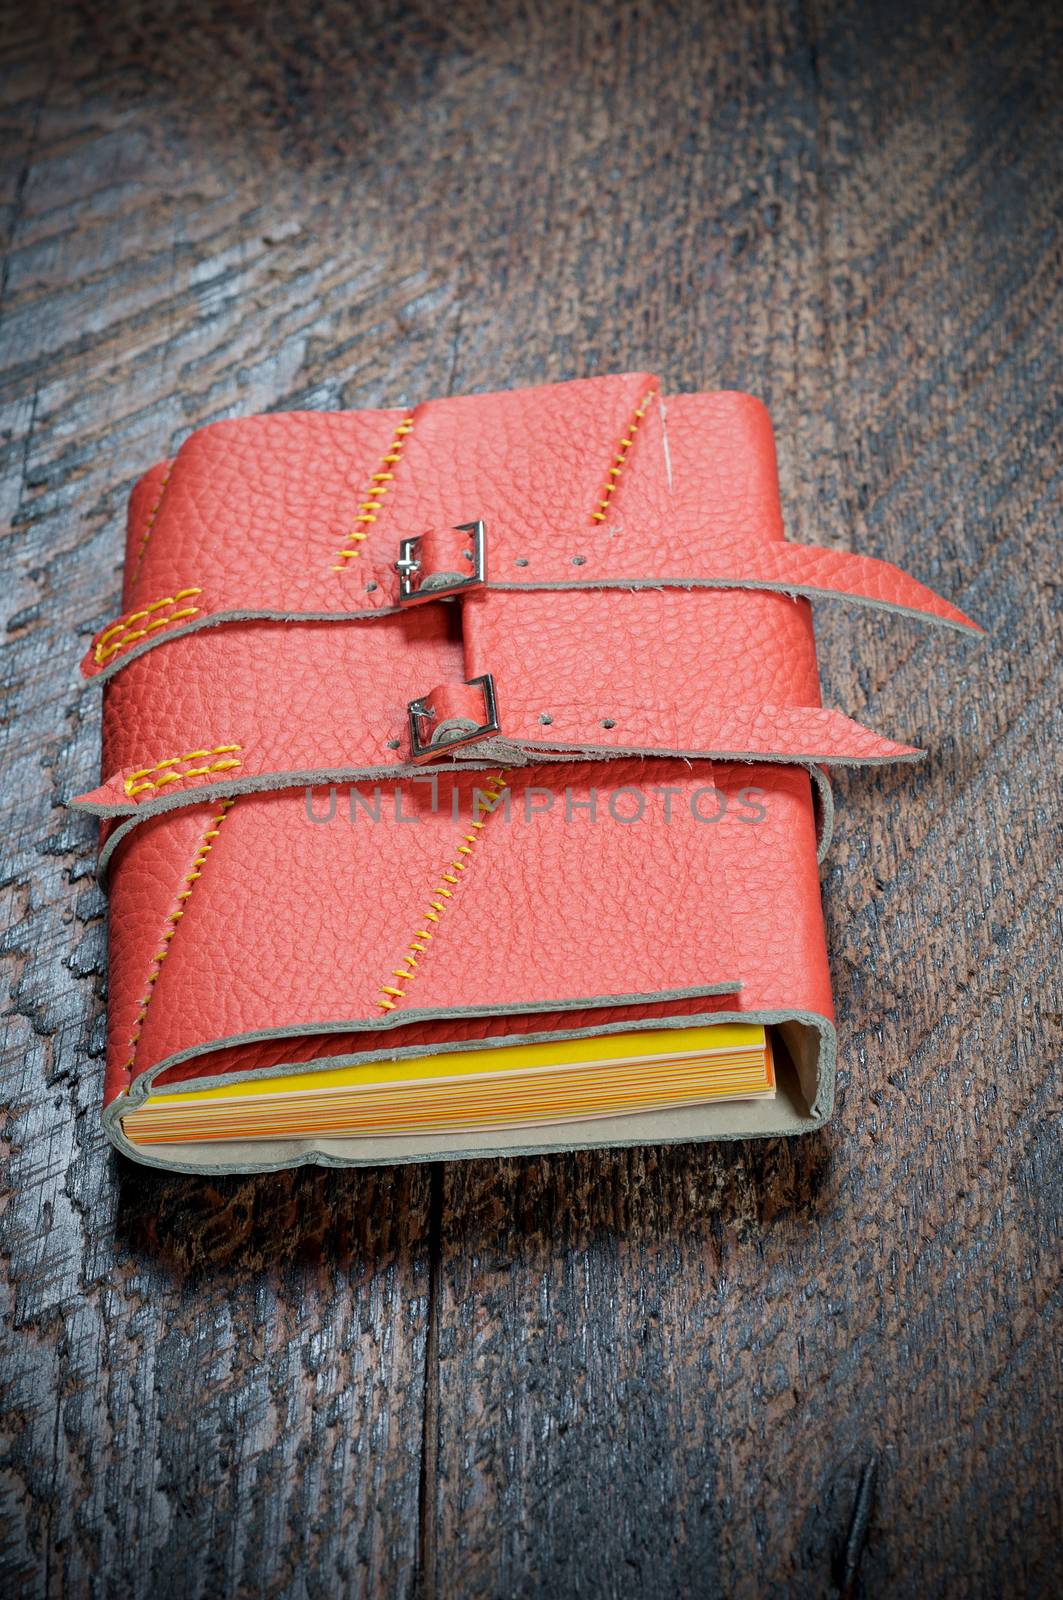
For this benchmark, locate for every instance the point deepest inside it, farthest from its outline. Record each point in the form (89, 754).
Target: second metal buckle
(416, 710)
(413, 587)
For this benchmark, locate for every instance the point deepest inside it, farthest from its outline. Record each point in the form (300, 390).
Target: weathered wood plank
(663, 1372)
(221, 1385)
(656, 1372)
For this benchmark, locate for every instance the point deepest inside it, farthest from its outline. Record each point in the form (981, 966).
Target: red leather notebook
(494, 720)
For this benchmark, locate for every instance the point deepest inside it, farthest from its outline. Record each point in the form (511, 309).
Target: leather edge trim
(375, 1025)
(212, 619)
(823, 804)
(794, 591)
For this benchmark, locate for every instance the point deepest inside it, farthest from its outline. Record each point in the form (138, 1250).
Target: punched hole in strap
(451, 716)
(436, 566)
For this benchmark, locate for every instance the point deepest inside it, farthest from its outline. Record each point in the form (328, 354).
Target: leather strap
(695, 662)
(797, 570)
(579, 487)
(798, 734)
(794, 569)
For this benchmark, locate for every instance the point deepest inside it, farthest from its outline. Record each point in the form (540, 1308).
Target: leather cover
(633, 840)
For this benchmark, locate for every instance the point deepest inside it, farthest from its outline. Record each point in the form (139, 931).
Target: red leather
(300, 925)
(254, 515)
(295, 754)
(645, 626)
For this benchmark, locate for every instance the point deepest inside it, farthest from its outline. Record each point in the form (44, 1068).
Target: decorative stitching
(170, 928)
(390, 995)
(609, 487)
(150, 523)
(381, 482)
(134, 786)
(103, 651)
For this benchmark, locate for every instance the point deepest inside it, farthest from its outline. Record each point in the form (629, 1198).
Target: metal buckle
(408, 566)
(416, 710)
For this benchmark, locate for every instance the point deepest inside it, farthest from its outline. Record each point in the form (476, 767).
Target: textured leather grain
(268, 517)
(605, 671)
(561, 900)
(636, 842)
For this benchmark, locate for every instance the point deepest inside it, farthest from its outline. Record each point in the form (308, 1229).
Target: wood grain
(655, 1372)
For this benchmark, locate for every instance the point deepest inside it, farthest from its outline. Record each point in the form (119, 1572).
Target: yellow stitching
(136, 616)
(142, 633)
(133, 787)
(196, 772)
(129, 635)
(150, 523)
(380, 482)
(156, 605)
(617, 467)
(196, 871)
(191, 755)
(438, 907)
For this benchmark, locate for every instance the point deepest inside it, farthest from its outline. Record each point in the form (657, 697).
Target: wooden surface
(638, 1374)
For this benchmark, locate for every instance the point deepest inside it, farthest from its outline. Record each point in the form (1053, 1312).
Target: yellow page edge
(717, 1038)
